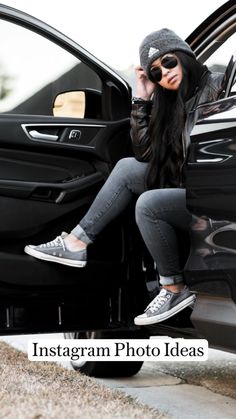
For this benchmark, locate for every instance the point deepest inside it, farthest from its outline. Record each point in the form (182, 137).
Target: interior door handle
(39, 136)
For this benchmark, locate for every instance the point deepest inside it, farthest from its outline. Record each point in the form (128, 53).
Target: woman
(170, 83)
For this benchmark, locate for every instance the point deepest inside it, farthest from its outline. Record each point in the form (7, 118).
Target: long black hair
(167, 124)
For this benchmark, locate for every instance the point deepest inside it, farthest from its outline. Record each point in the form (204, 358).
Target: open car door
(64, 124)
(211, 187)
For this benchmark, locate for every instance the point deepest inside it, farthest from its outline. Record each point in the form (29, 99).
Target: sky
(113, 30)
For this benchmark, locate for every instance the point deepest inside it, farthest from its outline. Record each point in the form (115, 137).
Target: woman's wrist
(139, 99)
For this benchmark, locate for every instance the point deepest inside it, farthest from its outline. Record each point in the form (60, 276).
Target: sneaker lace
(158, 301)
(57, 242)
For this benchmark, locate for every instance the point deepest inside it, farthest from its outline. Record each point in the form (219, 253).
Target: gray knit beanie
(159, 43)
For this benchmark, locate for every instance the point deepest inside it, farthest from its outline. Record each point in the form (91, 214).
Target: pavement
(167, 387)
(185, 390)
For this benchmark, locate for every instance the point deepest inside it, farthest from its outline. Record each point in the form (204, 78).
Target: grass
(43, 390)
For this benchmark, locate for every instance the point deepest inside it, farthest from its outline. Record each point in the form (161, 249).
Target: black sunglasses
(155, 73)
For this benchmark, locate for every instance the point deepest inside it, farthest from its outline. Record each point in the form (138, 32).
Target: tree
(5, 88)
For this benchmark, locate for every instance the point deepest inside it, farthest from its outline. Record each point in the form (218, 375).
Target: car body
(52, 168)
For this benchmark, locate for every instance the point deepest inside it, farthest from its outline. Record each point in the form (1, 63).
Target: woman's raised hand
(144, 87)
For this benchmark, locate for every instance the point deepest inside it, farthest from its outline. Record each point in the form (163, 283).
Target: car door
(211, 187)
(53, 161)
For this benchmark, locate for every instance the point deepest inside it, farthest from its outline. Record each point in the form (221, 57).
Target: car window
(34, 70)
(218, 61)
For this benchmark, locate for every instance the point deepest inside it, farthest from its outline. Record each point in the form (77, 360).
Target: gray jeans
(158, 213)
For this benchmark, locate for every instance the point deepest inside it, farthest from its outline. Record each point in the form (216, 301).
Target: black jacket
(140, 116)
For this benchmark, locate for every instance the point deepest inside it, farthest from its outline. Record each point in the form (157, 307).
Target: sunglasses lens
(169, 62)
(156, 74)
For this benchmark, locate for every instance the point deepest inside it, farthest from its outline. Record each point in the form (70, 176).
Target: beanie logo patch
(152, 51)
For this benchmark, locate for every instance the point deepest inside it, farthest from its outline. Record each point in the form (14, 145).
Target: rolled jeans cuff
(171, 279)
(79, 232)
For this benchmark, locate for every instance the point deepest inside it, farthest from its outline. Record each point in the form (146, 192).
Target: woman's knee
(123, 170)
(130, 170)
(152, 203)
(125, 164)
(144, 206)
(167, 205)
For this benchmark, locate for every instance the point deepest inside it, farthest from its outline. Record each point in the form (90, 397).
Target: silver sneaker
(56, 251)
(166, 304)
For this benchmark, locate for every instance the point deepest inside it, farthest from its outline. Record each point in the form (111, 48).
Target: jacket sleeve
(140, 117)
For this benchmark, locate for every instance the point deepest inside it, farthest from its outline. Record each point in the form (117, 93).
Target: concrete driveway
(186, 390)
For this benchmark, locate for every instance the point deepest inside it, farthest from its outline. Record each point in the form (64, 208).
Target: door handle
(39, 136)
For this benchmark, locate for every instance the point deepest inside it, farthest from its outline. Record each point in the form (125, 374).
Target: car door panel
(94, 136)
(56, 172)
(28, 165)
(211, 198)
(210, 172)
(45, 181)
(53, 170)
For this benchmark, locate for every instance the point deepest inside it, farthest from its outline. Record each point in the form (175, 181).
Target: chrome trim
(221, 159)
(59, 316)
(39, 136)
(210, 160)
(210, 238)
(8, 317)
(26, 131)
(60, 197)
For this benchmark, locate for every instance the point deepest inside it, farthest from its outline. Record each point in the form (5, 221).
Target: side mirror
(78, 104)
(70, 104)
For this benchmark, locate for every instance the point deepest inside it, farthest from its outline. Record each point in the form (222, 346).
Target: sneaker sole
(167, 315)
(50, 258)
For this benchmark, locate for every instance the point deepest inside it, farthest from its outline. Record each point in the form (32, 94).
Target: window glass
(218, 61)
(34, 70)
(220, 58)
